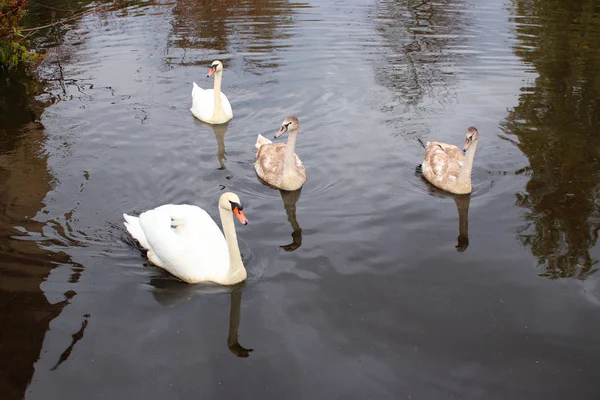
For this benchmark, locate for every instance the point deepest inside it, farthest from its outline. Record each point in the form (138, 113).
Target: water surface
(362, 285)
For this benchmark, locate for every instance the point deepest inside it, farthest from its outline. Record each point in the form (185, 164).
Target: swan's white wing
(260, 140)
(196, 89)
(226, 106)
(187, 241)
(135, 230)
(203, 103)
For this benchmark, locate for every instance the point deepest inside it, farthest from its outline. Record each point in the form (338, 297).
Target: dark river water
(368, 283)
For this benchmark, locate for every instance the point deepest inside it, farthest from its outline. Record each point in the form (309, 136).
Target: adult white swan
(446, 167)
(185, 241)
(210, 105)
(277, 163)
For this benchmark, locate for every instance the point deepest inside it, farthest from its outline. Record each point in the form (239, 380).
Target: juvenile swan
(446, 167)
(185, 241)
(210, 105)
(276, 163)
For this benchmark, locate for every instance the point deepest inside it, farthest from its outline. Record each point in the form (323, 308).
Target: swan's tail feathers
(196, 89)
(422, 143)
(261, 140)
(135, 229)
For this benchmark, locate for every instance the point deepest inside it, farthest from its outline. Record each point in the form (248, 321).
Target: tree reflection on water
(421, 65)
(248, 26)
(557, 122)
(25, 180)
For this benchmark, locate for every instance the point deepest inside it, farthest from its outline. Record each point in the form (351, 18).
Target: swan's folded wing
(269, 161)
(192, 250)
(203, 103)
(226, 106)
(453, 152)
(196, 89)
(261, 140)
(174, 211)
(442, 161)
(157, 226)
(135, 230)
(299, 166)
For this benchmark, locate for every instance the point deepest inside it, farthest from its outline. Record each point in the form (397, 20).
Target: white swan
(277, 163)
(210, 105)
(185, 241)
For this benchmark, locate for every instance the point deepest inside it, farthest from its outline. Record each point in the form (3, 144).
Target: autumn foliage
(12, 49)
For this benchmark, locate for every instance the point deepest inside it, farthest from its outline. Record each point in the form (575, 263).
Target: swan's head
(470, 137)
(216, 66)
(289, 124)
(231, 202)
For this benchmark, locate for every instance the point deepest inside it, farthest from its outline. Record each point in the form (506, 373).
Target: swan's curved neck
(237, 272)
(218, 110)
(464, 177)
(289, 162)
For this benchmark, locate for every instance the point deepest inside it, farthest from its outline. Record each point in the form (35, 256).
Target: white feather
(261, 140)
(133, 227)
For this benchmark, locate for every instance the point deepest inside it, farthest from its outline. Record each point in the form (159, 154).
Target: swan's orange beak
(281, 131)
(240, 215)
(211, 71)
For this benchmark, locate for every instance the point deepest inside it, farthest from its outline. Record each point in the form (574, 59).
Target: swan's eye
(235, 205)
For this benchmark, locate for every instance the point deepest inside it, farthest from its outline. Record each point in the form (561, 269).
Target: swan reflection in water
(462, 207)
(220, 131)
(290, 198)
(289, 203)
(168, 292)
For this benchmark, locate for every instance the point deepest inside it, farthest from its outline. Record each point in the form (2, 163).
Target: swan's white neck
(289, 162)
(464, 177)
(218, 112)
(237, 272)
